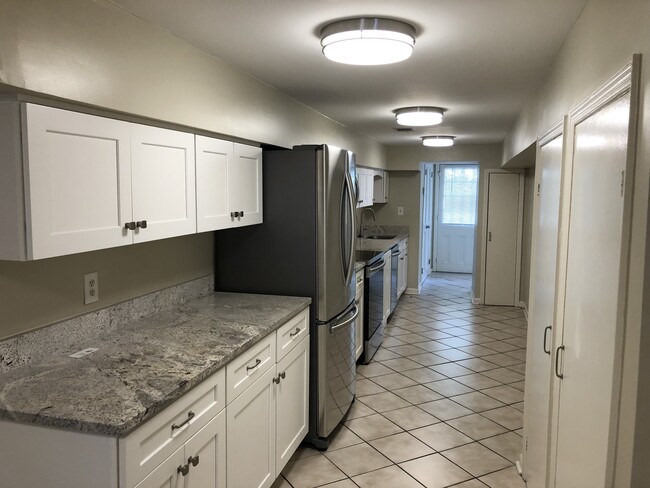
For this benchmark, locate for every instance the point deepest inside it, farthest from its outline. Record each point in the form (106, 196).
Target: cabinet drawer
(291, 333)
(402, 245)
(149, 445)
(242, 371)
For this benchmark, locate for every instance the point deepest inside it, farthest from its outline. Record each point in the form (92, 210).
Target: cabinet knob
(141, 224)
(279, 377)
(194, 461)
(184, 469)
(234, 215)
(241, 214)
(283, 375)
(129, 226)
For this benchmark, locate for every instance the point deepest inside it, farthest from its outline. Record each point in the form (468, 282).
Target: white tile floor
(440, 405)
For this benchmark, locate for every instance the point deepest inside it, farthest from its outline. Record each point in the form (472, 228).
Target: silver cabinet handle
(184, 469)
(258, 361)
(378, 267)
(295, 332)
(194, 461)
(557, 362)
(546, 330)
(190, 416)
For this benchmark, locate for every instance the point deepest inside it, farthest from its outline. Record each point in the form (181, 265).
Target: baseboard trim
(412, 291)
(523, 305)
(475, 300)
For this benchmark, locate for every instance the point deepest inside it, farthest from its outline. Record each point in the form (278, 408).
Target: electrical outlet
(91, 288)
(400, 210)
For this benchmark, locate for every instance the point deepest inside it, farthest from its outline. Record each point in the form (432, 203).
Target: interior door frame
(437, 204)
(484, 231)
(425, 166)
(627, 79)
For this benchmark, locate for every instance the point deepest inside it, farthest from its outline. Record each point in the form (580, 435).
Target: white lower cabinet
(402, 267)
(268, 421)
(200, 463)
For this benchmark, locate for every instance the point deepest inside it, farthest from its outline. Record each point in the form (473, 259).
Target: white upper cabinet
(380, 186)
(228, 184)
(163, 185)
(365, 186)
(75, 168)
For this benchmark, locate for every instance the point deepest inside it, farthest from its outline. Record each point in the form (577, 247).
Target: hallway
(440, 405)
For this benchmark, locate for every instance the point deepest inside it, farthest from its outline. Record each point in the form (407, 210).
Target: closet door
(548, 171)
(589, 358)
(502, 246)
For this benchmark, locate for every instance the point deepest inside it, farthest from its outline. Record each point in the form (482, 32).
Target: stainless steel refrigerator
(305, 247)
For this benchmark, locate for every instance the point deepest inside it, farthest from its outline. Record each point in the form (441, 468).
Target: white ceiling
(480, 59)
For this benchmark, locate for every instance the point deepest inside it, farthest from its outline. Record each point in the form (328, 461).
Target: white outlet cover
(91, 288)
(400, 210)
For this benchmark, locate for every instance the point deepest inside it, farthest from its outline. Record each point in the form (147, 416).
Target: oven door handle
(378, 267)
(355, 311)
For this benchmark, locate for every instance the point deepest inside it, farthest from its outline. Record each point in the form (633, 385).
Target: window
(459, 192)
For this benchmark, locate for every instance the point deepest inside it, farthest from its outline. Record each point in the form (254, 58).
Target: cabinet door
(292, 408)
(250, 457)
(401, 272)
(163, 182)
(167, 474)
(78, 172)
(214, 167)
(207, 449)
(246, 189)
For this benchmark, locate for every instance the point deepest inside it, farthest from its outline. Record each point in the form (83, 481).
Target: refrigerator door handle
(351, 199)
(355, 314)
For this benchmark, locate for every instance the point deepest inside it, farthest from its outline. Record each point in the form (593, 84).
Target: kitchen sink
(383, 236)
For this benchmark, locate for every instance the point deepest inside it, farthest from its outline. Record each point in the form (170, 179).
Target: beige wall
(601, 42)
(404, 191)
(488, 156)
(527, 236)
(37, 293)
(92, 53)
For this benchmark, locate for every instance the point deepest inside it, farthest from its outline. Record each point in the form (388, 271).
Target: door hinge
(429, 261)
(426, 171)
(539, 188)
(422, 191)
(622, 182)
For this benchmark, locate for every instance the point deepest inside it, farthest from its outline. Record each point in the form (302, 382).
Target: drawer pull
(129, 226)
(194, 461)
(295, 333)
(258, 361)
(184, 469)
(141, 224)
(190, 416)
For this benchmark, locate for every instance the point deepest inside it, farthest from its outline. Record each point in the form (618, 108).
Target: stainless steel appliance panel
(373, 333)
(335, 239)
(336, 370)
(394, 255)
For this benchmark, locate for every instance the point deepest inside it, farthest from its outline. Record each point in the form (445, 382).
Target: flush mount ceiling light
(419, 116)
(367, 41)
(438, 141)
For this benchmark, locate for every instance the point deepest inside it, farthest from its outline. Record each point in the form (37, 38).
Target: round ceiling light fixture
(419, 116)
(367, 41)
(438, 141)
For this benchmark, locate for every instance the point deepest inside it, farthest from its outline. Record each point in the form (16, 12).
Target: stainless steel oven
(373, 332)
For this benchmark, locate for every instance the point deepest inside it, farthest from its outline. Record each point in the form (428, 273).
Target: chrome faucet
(374, 218)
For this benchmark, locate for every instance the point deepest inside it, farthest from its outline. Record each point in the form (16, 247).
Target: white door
(502, 238)
(592, 298)
(250, 457)
(167, 474)
(163, 183)
(214, 165)
(205, 454)
(246, 189)
(456, 197)
(548, 171)
(292, 410)
(426, 246)
(79, 172)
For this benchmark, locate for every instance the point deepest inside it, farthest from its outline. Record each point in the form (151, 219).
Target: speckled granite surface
(142, 367)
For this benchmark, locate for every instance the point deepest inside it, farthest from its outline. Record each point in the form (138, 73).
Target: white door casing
(426, 223)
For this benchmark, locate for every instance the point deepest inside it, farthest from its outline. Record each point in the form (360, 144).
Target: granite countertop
(143, 367)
